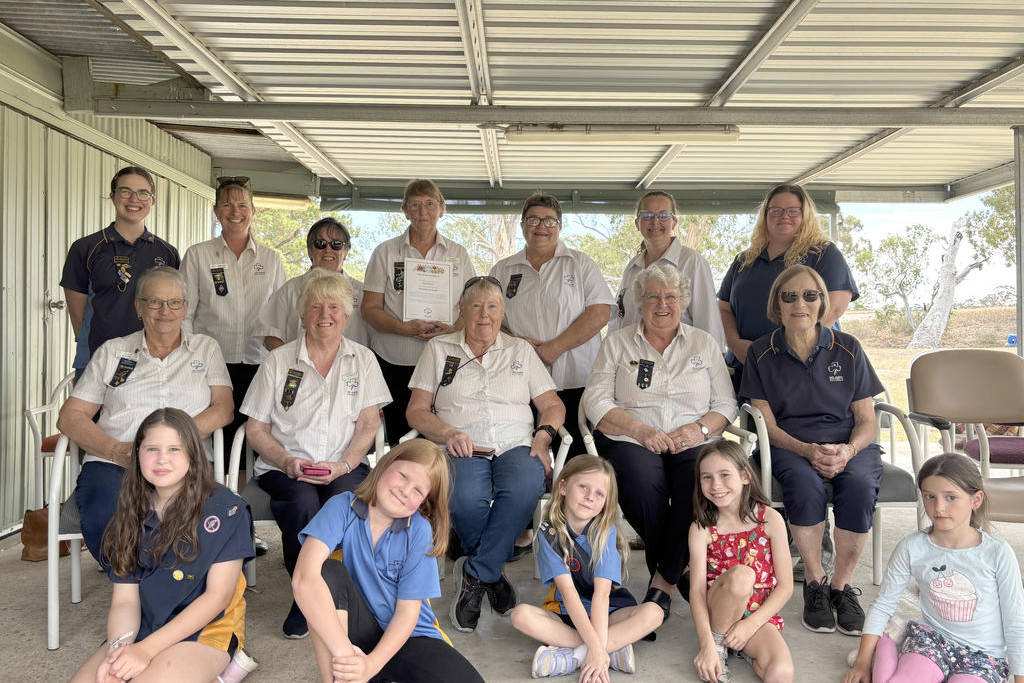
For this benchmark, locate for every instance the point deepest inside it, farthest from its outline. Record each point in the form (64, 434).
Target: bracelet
(120, 641)
(348, 468)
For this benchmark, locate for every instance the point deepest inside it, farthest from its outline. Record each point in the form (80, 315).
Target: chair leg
(876, 548)
(249, 571)
(538, 516)
(52, 595)
(76, 571)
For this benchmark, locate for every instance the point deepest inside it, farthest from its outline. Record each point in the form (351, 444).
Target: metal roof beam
(171, 29)
(499, 116)
(474, 46)
(660, 165)
(852, 153)
(982, 182)
(772, 38)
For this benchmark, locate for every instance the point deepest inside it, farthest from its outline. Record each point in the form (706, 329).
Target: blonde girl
(742, 574)
(972, 603)
(589, 621)
(174, 551)
(369, 613)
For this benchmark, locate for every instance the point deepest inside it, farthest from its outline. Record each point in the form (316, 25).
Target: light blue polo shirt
(609, 566)
(396, 569)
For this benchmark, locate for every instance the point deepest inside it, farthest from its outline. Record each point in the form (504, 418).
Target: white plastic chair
(43, 447)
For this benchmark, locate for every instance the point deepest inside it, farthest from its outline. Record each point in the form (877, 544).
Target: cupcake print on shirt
(953, 596)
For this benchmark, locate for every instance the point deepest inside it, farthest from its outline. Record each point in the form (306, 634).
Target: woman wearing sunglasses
(786, 233)
(814, 386)
(327, 243)
(658, 224)
(398, 342)
(557, 300)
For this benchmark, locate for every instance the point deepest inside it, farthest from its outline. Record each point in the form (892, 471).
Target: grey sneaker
(553, 661)
(849, 614)
(623, 660)
(818, 616)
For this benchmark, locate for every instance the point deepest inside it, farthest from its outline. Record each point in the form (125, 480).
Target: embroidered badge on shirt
(233, 511)
(398, 278)
(697, 362)
(291, 388)
(834, 368)
(569, 280)
(124, 369)
(159, 261)
(451, 365)
(220, 282)
(513, 285)
(644, 373)
(211, 524)
(620, 304)
(258, 267)
(351, 383)
(197, 365)
(517, 367)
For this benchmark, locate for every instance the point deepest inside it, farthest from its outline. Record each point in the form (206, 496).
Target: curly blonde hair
(810, 238)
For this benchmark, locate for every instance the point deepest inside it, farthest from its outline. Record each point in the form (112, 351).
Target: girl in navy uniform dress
(174, 551)
(589, 620)
(369, 610)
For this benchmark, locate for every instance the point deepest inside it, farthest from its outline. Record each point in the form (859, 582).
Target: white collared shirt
(702, 312)
(543, 304)
(684, 384)
(280, 315)
(320, 419)
(248, 281)
(380, 278)
(181, 380)
(487, 399)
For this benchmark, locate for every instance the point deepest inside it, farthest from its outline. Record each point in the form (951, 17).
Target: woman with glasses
(471, 394)
(398, 342)
(658, 225)
(102, 269)
(659, 390)
(327, 243)
(227, 281)
(129, 377)
(557, 300)
(814, 386)
(786, 233)
(313, 412)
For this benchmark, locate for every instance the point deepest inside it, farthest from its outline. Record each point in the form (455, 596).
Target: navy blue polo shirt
(747, 289)
(165, 588)
(398, 568)
(811, 402)
(95, 262)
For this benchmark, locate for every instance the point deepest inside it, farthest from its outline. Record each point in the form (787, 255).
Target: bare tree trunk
(908, 311)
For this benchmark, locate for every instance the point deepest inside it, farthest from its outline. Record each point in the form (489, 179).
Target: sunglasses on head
(336, 245)
(473, 280)
(809, 295)
(241, 180)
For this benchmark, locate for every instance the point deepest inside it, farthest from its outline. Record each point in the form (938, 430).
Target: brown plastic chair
(1005, 499)
(973, 387)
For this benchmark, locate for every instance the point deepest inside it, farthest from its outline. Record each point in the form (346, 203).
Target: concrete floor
(496, 649)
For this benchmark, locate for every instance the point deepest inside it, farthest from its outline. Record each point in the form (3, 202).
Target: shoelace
(820, 598)
(848, 600)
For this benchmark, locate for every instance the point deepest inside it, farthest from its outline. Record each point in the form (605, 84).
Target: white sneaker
(623, 660)
(549, 660)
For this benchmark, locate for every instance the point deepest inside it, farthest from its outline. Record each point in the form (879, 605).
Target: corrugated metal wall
(52, 191)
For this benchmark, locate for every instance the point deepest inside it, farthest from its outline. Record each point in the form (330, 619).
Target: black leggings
(397, 378)
(421, 659)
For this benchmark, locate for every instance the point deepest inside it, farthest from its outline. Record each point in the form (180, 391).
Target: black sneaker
(849, 614)
(465, 611)
(502, 595)
(818, 615)
(295, 623)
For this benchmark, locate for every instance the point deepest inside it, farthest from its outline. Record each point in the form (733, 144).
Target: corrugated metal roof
(837, 54)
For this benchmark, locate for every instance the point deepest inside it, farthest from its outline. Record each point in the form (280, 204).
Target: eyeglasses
(792, 212)
(429, 205)
(241, 180)
(533, 222)
(336, 245)
(663, 216)
(157, 304)
(667, 299)
(809, 295)
(473, 280)
(128, 193)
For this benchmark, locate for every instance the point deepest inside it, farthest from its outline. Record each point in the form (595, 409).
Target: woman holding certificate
(557, 300)
(410, 294)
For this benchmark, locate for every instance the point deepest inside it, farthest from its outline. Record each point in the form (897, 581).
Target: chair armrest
(907, 422)
(931, 420)
(218, 455)
(380, 444)
(236, 458)
(586, 431)
(409, 435)
(563, 452)
(747, 438)
(763, 444)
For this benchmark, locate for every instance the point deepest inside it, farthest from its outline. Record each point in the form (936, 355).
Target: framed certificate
(428, 290)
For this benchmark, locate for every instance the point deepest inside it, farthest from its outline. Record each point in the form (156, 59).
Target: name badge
(398, 277)
(619, 303)
(451, 365)
(123, 266)
(644, 373)
(513, 285)
(291, 388)
(220, 282)
(124, 369)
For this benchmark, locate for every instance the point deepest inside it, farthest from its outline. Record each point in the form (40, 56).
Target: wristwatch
(546, 428)
(703, 429)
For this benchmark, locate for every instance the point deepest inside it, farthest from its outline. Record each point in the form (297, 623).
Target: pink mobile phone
(314, 471)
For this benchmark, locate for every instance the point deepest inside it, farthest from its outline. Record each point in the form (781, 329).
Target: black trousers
(397, 378)
(656, 496)
(241, 377)
(571, 398)
(421, 659)
(294, 503)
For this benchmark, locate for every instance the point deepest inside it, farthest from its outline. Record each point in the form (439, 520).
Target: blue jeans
(99, 486)
(491, 503)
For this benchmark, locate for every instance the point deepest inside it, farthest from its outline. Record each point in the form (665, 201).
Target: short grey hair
(666, 275)
(479, 288)
(157, 272)
(326, 285)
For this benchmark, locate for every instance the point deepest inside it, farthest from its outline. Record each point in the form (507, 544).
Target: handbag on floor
(33, 536)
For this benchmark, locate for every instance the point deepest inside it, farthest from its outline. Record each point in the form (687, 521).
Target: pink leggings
(892, 667)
